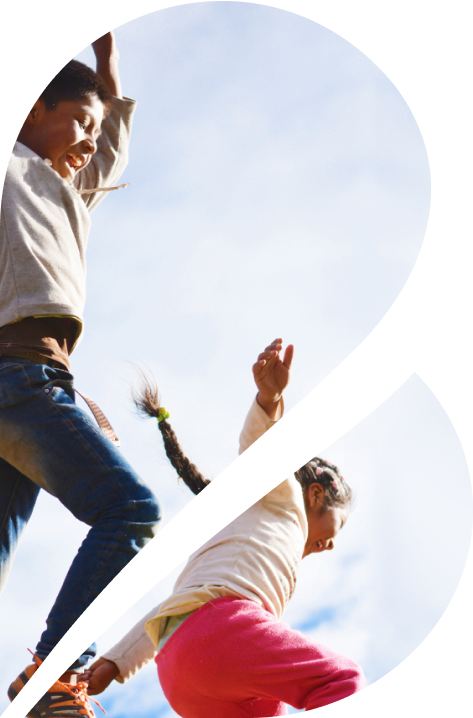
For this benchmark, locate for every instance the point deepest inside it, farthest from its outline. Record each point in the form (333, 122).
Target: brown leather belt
(35, 359)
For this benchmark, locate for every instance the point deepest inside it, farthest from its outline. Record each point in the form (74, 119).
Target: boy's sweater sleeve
(134, 651)
(111, 157)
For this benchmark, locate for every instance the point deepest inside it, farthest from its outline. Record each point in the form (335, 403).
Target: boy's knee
(156, 511)
(147, 513)
(142, 521)
(139, 511)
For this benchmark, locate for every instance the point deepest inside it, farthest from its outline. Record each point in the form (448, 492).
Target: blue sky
(279, 182)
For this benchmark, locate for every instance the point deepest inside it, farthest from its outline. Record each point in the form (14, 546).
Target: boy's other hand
(105, 47)
(100, 675)
(272, 376)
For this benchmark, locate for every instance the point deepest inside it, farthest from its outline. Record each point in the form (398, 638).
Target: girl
(222, 652)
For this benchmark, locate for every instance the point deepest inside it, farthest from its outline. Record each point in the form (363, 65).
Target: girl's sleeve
(257, 422)
(111, 157)
(134, 651)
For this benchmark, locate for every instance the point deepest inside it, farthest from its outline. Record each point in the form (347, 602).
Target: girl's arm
(124, 660)
(100, 675)
(272, 376)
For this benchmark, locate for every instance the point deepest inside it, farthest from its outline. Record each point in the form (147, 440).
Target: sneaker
(63, 700)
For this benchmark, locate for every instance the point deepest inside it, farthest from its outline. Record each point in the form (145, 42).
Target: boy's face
(66, 135)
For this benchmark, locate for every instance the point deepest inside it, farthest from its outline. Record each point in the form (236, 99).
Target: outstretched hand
(100, 675)
(105, 47)
(272, 376)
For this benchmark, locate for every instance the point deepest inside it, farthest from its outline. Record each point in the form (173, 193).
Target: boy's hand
(107, 55)
(105, 47)
(100, 675)
(272, 376)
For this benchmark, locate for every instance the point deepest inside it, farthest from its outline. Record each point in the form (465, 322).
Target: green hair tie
(163, 414)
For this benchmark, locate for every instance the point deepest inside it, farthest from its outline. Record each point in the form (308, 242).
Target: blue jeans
(47, 442)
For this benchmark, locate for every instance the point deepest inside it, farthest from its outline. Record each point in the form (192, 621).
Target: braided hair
(147, 403)
(336, 490)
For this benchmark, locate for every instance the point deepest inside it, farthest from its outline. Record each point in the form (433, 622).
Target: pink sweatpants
(233, 659)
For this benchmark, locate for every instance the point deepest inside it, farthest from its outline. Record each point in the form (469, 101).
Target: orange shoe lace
(79, 692)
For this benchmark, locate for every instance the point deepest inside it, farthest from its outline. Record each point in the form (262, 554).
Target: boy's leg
(54, 443)
(234, 651)
(17, 499)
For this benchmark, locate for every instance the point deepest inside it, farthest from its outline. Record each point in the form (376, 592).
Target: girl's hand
(272, 376)
(100, 675)
(105, 47)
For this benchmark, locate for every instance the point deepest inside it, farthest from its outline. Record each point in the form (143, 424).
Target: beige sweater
(255, 557)
(44, 224)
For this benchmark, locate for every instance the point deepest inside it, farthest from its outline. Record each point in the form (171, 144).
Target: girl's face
(324, 525)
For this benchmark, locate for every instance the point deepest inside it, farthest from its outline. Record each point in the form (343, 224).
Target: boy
(46, 441)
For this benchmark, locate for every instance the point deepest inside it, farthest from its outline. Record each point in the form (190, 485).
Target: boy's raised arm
(111, 157)
(107, 55)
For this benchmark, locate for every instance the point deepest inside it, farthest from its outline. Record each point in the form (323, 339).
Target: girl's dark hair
(147, 402)
(76, 80)
(336, 490)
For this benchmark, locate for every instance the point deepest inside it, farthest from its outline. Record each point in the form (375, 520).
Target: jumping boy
(74, 138)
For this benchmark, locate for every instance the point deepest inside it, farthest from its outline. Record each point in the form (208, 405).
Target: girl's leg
(234, 651)
(17, 500)
(207, 707)
(46, 437)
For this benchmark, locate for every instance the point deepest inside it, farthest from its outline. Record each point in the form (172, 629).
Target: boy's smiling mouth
(75, 161)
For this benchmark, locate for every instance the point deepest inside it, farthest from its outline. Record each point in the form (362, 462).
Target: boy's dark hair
(336, 490)
(76, 80)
